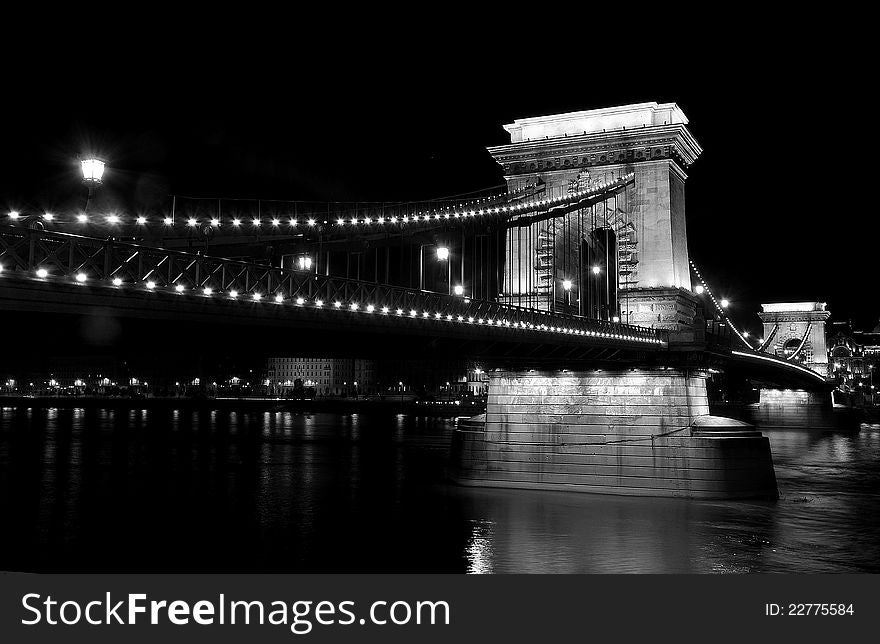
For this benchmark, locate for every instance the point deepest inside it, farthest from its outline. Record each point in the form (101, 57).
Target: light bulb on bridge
(745, 334)
(311, 222)
(113, 219)
(215, 222)
(180, 288)
(699, 289)
(92, 170)
(14, 214)
(725, 303)
(566, 284)
(117, 281)
(236, 222)
(442, 253)
(458, 289)
(81, 277)
(596, 270)
(48, 216)
(191, 222)
(142, 220)
(168, 221)
(82, 218)
(42, 272)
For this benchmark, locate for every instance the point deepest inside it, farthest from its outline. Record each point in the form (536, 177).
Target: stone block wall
(620, 432)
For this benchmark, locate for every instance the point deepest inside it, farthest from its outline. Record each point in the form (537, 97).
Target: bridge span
(574, 287)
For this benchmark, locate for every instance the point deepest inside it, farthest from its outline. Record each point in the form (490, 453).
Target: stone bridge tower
(650, 140)
(796, 331)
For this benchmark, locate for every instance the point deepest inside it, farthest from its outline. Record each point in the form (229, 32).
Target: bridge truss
(71, 260)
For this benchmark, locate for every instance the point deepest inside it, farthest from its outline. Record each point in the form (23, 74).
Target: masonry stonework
(635, 432)
(649, 140)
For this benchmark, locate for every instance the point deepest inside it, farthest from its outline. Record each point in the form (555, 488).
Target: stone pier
(799, 409)
(634, 432)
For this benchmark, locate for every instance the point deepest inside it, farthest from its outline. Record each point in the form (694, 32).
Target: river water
(163, 490)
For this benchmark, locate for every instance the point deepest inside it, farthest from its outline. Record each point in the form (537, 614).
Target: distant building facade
(327, 376)
(854, 357)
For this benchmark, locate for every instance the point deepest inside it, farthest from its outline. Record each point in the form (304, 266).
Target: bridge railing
(113, 263)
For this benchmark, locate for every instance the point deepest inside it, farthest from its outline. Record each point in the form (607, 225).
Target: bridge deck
(58, 272)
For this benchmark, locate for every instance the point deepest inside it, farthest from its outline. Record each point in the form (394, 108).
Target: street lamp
(93, 173)
(566, 286)
(442, 254)
(725, 303)
(93, 170)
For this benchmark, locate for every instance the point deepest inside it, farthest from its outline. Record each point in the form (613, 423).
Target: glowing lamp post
(93, 174)
(93, 170)
(566, 286)
(442, 254)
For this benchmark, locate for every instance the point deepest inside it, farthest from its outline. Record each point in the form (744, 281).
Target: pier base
(636, 432)
(797, 409)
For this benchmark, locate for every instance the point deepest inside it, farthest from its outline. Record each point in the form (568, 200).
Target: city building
(854, 357)
(325, 376)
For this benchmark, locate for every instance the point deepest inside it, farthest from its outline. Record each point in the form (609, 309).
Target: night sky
(778, 206)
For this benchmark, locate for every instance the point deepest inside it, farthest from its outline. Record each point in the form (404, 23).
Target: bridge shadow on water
(199, 490)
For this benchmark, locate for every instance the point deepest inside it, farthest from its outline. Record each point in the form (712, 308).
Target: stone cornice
(599, 148)
(795, 316)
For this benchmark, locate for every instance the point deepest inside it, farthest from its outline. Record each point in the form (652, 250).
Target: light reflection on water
(183, 490)
(824, 521)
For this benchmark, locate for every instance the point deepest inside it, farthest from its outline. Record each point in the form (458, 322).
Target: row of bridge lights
(168, 221)
(355, 307)
(276, 222)
(721, 306)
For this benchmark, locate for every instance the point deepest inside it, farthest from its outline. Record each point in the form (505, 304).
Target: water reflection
(171, 490)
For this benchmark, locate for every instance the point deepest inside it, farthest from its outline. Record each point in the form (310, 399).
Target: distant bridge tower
(639, 236)
(796, 331)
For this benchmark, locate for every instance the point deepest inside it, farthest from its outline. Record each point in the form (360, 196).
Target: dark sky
(779, 205)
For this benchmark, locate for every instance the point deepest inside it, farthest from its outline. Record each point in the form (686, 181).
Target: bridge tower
(796, 331)
(649, 240)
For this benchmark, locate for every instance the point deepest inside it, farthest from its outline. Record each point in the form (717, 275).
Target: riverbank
(385, 405)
